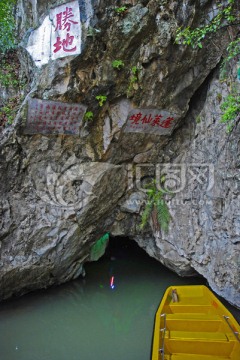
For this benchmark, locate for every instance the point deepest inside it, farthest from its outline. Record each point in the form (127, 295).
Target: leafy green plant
(8, 74)
(133, 80)
(156, 208)
(88, 116)
(117, 64)
(7, 26)
(194, 37)
(9, 79)
(101, 99)
(233, 50)
(231, 109)
(9, 111)
(121, 9)
(198, 119)
(134, 70)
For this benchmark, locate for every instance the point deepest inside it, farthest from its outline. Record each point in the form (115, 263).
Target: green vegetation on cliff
(9, 64)
(226, 16)
(7, 26)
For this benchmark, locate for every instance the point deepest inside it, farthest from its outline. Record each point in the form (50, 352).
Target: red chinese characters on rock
(64, 22)
(52, 117)
(157, 120)
(65, 43)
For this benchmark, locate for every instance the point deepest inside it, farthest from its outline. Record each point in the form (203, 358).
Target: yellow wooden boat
(192, 324)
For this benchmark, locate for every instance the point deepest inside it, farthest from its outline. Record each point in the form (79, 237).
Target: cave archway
(120, 247)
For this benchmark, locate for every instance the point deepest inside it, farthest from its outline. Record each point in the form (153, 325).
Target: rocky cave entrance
(120, 247)
(120, 259)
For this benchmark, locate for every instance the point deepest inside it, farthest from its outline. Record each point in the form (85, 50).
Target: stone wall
(60, 194)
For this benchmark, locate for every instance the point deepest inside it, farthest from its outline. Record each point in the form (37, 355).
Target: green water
(86, 319)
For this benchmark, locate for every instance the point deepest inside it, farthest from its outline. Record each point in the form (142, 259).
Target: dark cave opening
(120, 247)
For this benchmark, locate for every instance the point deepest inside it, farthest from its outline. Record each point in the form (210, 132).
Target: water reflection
(87, 318)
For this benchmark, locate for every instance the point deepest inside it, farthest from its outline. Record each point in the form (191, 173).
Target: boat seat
(192, 308)
(196, 357)
(198, 343)
(185, 300)
(193, 316)
(193, 322)
(195, 335)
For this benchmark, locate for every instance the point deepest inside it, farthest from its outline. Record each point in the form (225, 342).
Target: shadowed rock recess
(60, 193)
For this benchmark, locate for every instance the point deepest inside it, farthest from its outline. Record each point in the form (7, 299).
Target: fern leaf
(163, 215)
(146, 214)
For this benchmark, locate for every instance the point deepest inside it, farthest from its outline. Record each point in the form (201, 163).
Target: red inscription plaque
(53, 117)
(152, 121)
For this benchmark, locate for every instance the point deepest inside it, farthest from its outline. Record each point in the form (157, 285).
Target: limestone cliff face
(59, 194)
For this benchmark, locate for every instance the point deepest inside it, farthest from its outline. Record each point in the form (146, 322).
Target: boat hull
(191, 323)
